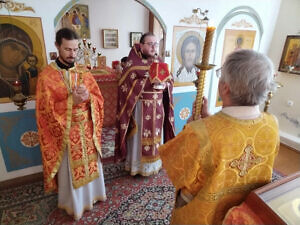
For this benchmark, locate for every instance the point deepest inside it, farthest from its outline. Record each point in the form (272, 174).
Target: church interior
(108, 29)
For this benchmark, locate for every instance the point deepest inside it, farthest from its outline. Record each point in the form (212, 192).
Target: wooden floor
(287, 161)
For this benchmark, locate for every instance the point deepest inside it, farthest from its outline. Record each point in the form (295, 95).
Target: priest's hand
(80, 94)
(204, 110)
(159, 86)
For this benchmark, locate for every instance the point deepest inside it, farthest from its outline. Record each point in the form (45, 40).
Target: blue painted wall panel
(183, 103)
(19, 140)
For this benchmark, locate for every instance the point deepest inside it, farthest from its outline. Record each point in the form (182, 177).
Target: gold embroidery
(246, 161)
(148, 102)
(151, 141)
(155, 96)
(128, 96)
(123, 126)
(129, 71)
(230, 190)
(146, 133)
(132, 76)
(124, 87)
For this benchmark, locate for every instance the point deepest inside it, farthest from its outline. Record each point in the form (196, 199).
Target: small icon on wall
(53, 55)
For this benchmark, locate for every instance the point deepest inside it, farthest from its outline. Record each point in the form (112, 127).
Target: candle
(203, 67)
(115, 63)
(207, 44)
(17, 83)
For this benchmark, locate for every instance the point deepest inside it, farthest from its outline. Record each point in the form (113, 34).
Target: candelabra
(86, 54)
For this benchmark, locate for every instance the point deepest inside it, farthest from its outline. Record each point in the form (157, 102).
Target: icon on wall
(77, 19)
(22, 54)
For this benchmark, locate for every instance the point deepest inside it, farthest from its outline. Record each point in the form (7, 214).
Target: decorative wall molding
(12, 6)
(242, 23)
(193, 19)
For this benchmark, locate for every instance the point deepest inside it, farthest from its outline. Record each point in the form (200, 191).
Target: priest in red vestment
(145, 117)
(69, 112)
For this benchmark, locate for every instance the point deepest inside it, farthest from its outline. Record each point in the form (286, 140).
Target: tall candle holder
(200, 83)
(204, 66)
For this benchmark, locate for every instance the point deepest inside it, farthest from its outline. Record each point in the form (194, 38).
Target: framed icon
(135, 38)
(110, 38)
(290, 59)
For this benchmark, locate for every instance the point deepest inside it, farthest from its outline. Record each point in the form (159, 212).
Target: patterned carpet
(130, 200)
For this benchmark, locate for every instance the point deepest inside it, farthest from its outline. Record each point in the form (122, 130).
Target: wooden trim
(21, 181)
(260, 208)
(290, 148)
(277, 183)
(151, 22)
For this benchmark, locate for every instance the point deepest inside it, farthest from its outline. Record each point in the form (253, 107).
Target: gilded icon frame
(290, 58)
(181, 35)
(33, 38)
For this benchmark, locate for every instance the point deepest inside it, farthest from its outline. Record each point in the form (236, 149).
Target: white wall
(129, 16)
(104, 14)
(288, 23)
(172, 11)
(125, 15)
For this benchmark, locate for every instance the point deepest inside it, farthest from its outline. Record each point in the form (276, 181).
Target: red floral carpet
(130, 200)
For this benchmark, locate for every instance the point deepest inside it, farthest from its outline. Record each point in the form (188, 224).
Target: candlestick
(18, 98)
(204, 66)
(207, 44)
(200, 83)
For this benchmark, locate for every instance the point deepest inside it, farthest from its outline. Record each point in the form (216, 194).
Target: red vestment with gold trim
(157, 108)
(62, 125)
